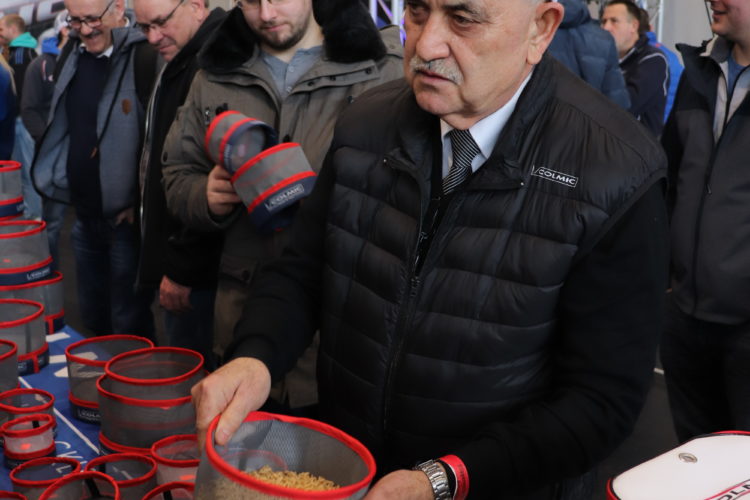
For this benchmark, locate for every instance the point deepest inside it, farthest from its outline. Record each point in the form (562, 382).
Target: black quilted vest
(414, 363)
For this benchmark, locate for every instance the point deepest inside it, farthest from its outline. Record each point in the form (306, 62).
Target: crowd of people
(513, 207)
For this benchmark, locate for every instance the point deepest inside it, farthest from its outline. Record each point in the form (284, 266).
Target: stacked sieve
(86, 361)
(33, 477)
(22, 322)
(134, 474)
(48, 292)
(28, 437)
(8, 365)
(11, 195)
(144, 397)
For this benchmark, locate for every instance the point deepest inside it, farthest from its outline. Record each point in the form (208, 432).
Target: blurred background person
(7, 110)
(589, 52)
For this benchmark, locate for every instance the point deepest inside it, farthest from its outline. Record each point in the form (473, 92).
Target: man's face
(466, 58)
(99, 38)
(279, 24)
(168, 33)
(7, 33)
(731, 18)
(622, 26)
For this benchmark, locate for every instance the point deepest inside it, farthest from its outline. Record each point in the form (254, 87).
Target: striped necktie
(464, 151)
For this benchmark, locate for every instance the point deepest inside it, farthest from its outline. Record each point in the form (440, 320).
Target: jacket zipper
(415, 283)
(406, 313)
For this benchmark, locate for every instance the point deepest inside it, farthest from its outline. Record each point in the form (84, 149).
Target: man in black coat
(485, 257)
(643, 66)
(180, 263)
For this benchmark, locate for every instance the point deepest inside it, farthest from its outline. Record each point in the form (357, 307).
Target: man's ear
(547, 17)
(119, 8)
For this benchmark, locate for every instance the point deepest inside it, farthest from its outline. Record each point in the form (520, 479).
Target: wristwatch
(438, 479)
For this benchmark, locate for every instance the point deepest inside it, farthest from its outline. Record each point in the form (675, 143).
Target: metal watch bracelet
(438, 479)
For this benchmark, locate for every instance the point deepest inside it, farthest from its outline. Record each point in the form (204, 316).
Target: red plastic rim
(92, 405)
(154, 381)
(156, 403)
(93, 340)
(121, 457)
(12, 494)
(34, 354)
(26, 319)
(174, 485)
(187, 438)
(50, 450)
(12, 201)
(47, 423)
(8, 165)
(212, 127)
(39, 226)
(27, 483)
(56, 276)
(12, 349)
(81, 477)
(121, 448)
(32, 409)
(271, 489)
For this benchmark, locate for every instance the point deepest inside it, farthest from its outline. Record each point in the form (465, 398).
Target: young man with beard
(706, 344)
(180, 263)
(485, 256)
(88, 157)
(295, 65)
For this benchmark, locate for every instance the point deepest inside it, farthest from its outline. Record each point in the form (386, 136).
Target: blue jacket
(7, 114)
(589, 52)
(119, 148)
(675, 71)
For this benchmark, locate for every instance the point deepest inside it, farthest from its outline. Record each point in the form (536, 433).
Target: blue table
(75, 439)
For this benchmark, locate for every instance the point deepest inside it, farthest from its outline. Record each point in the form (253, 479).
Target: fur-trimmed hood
(349, 32)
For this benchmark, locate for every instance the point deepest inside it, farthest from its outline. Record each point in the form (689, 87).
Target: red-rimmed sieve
(11, 192)
(139, 423)
(86, 485)
(135, 474)
(22, 323)
(178, 490)
(48, 292)
(177, 458)
(33, 477)
(283, 443)
(17, 403)
(24, 252)
(28, 437)
(86, 361)
(8, 365)
(155, 373)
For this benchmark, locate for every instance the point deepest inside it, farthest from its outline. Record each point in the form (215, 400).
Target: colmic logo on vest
(736, 491)
(552, 175)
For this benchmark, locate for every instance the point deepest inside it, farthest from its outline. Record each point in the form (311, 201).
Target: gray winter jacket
(120, 118)
(709, 171)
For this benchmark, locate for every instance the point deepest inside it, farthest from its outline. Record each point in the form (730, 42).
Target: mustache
(445, 68)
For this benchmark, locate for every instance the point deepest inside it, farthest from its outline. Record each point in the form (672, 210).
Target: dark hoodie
(589, 52)
(38, 86)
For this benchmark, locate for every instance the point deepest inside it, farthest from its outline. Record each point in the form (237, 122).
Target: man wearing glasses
(88, 158)
(295, 65)
(180, 263)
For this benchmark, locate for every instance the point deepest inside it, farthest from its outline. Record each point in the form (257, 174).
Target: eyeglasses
(158, 24)
(255, 4)
(90, 21)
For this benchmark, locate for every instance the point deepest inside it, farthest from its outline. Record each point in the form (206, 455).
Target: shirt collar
(485, 132)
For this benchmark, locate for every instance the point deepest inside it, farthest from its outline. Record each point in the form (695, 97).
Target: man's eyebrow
(466, 7)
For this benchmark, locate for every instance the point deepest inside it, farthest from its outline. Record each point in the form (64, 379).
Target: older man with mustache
(485, 256)
(88, 158)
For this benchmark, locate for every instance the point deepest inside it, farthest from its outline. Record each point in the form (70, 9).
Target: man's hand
(219, 191)
(234, 390)
(402, 484)
(174, 297)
